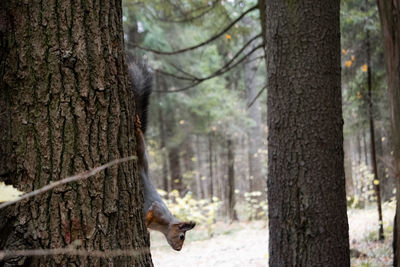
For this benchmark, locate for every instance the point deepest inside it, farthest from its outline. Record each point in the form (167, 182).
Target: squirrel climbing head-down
(157, 215)
(174, 230)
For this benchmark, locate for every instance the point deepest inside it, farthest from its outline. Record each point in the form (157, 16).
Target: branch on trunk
(73, 252)
(77, 177)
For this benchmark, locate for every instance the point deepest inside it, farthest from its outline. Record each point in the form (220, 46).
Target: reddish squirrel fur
(157, 215)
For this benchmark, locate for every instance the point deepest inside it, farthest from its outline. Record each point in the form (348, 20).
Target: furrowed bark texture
(306, 184)
(66, 107)
(389, 12)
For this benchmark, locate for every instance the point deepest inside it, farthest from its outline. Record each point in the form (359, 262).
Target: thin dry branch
(200, 44)
(79, 176)
(73, 252)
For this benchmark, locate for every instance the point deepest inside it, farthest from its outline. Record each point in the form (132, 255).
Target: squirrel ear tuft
(186, 226)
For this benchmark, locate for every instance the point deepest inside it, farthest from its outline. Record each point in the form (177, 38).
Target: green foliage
(364, 186)
(201, 211)
(256, 208)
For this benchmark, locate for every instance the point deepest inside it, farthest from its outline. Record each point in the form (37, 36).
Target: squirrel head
(176, 234)
(160, 219)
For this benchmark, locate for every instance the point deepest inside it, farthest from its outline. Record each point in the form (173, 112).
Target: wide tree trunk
(389, 12)
(66, 107)
(306, 183)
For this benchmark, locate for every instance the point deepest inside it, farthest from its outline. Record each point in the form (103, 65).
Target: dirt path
(240, 244)
(246, 244)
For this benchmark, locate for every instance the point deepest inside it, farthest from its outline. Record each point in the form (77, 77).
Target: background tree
(66, 107)
(306, 184)
(389, 12)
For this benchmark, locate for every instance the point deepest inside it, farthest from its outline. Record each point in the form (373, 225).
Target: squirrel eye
(181, 236)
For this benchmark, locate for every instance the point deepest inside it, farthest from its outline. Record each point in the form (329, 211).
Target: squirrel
(157, 215)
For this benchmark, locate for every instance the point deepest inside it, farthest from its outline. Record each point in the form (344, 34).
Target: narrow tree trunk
(389, 12)
(306, 184)
(348, 168)
(175, 169)
(359, 153)
(231, 181)
(364, 137)
(174, 150)
(203, 193)
(210, 165)
(163, 148)
(66, 107)
(372, 134)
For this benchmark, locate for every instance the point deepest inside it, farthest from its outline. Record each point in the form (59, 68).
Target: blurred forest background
(207, 132)
(66, 108)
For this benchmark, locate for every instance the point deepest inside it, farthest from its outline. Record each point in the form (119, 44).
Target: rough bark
(306, 183)
(389, 12)
(66, 107)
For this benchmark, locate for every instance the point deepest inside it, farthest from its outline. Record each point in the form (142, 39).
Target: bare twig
(200, 44)
(176, 76)
(257, 96)
(73, 252)
(79, 176)
(182, 71)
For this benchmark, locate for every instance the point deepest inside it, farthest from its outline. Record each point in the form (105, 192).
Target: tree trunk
(175, 168)
(231, 181)
(173, 151)
(385, 164)
(348, 168)
(389, 12)
(66, 107)
(376, 181)
(163, 148)
(210, 165)
(306, 183)
(364, 136)
(359, 153)
(201, 184)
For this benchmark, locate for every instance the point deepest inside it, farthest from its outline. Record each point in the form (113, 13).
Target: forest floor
(246, 243)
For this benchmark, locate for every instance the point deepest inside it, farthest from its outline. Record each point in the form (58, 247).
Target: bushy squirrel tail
(142, 86)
